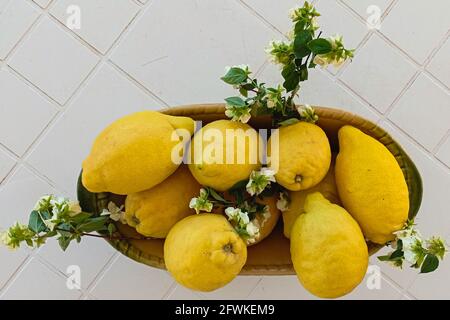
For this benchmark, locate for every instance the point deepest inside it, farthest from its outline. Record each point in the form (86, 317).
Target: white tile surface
(439, 66)
(181, 63)
(423, 112)
(280, 288)
(36, 276)
(417, 39)
(15, 19)
(24, 113)
(378, 73)
(238, 289)
(361, 6)
(53, 61)
(43, 3)
(90, 265)
(181, 293)
(444, 152)
(107, 97)
(10, 263)
(213, 33)
(127, 279)
(6, 164)
(277, 15)
(102, 21)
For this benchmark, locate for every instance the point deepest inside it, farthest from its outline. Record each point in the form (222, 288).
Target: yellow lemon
(153, 212)
(328, 249)
(303, 156)
(327, 187)
(134, 153)
(371, 185)
(203, 252)
(224, 153)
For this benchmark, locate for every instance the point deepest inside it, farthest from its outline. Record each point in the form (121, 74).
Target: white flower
(259, 180)
(315, 23)
(5, 239)
(232, 213)
(201, 203)
(412, 249)
(307, 113)
(237, 113)
(243, 217)
(252, 230)
(320, 60)
(74, 208)
(283, 202)
(114, 212)
(270, 104)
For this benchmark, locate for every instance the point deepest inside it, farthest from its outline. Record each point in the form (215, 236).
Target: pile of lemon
(337, 202)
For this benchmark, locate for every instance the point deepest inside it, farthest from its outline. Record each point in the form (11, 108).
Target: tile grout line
(99, 276)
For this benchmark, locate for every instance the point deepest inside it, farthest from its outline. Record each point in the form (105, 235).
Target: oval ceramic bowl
(271, 256)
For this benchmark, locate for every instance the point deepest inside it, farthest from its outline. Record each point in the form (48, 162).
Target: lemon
(327, 187)
(371, 185)
(328, 250)
(213, 143)
(153, 212)
(203, 252)
(134, 153)
(303, 156)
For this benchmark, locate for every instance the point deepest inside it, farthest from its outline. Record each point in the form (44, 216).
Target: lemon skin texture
(134, 153)
(328, 249)
(371, 185)
(304, 156)
(203, 252)
(154, 212)
(327, 187)
(212, 170)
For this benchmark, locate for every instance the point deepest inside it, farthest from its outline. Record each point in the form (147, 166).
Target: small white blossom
(259, 180)
(252, 230)
(74, 208)
(114, 212)
(5, 239)
(201, 203)
(283, 202)
(307, 113)
(237, 113)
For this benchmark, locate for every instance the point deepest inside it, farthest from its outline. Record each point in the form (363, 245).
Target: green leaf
(243, 92)
(239, 185)
(291, 77)
(35, 223)
(301, 44)
(299, 26)
(64, 242)
(235, 101)
(81, 217)
(288, 122)
(430, 264)
(235, 76)
(216, 196)
(111, 229)
(384, 258)
(397, 254)
(320, 46)
(93, 224)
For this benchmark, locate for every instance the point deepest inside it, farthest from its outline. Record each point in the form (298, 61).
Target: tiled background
(59, 88)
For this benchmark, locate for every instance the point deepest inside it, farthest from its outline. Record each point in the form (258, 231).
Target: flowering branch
(302, 52)
(58, 217)
(409, 247)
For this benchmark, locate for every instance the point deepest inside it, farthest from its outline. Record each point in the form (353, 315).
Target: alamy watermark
(73, 20)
